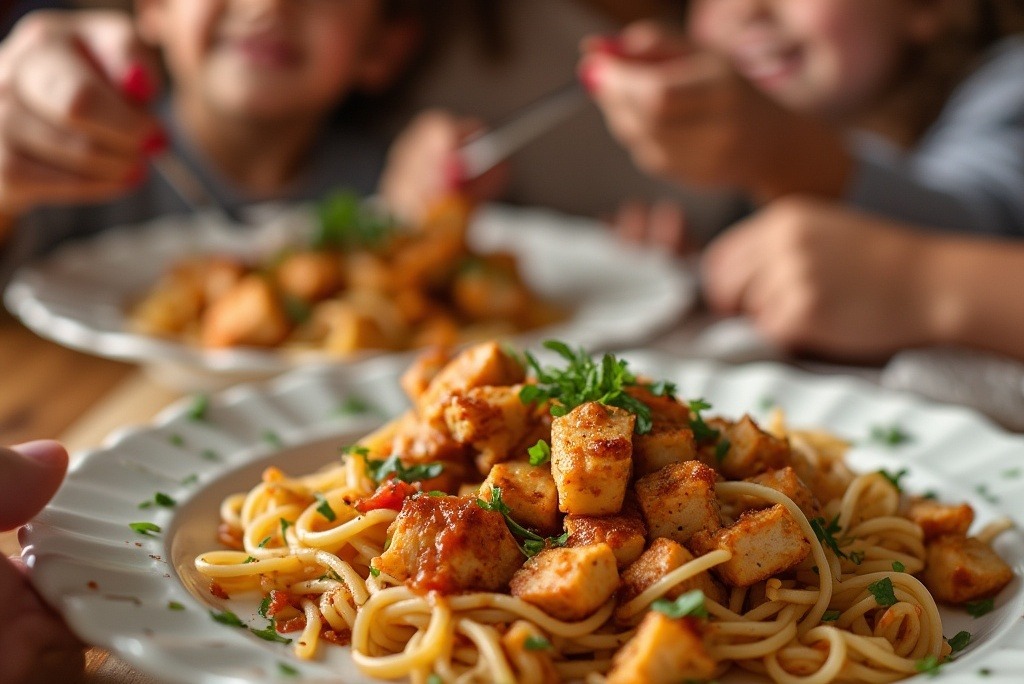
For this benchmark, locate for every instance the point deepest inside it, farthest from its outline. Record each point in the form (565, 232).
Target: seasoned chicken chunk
(679, 501)
(751, 451)
(624, 532)
(785, 481)
(960, 569)
(449, 544)
(249, 314)
(662, 557)
(938, 519)
(424, 369)
(763, 544)
(310, 276)
(529, 492)
(483, 364)
(591, 458)
(670, 439)
(663, 651)
(491, 420)
(568, 583)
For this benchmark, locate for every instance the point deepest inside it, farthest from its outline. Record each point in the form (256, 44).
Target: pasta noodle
(852, 609)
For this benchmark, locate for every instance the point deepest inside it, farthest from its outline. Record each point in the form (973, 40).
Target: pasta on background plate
(542, 524)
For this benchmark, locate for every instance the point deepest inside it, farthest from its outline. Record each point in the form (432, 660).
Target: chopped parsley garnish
(147, 528)
(190, 480)
(330, 575)
(248, 560)
(264, 606)
(928, 665)
(347, 222)
(767, 403)
(210, 455)
(434, 679)
(584, 380)
(899, 567)
(296, 309)
(379, 470)
(702, 432)
(536, 643)
(978, 608)
(263, 542)
(174, 605)
(985, 494)
(374, 571)
(200, 405)
(285, 524)
(856, 557)
(984, 672)
(663, 388)
(883, 592)
(930, 494)
(227, 618)
(160, 499)
(831, 615)
(287, 670)
(721, 449)
(689, 604)
(272, 438)
(960, 641)
(534, 543)
(540, 453)
(269, 633)
(324, 508)
(353, 405)
(531, 547)
(1012, 472)
(894, 478)
(891, 435)
(826, 534)
(176, 439)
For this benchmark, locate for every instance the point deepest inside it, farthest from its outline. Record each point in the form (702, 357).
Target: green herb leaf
(892, 435)
(883, 592)
(374, 571)
(248, 560)
(174, 605)
(856, 557)
(354, 405)
(826, 534)
(831, 615)
(210, 455)
(379, 470)
(264, 605)
(960, 641)
(269, 633)
(540, 453)
(296, 309)
(227, 618)
(498, 504)
(721, 449)
(536, 643)
(894, 478)
(263, 542)
(347, 222)
(287, 670)
(702, 432)
(176, 439)
(272, 438)
(434, 679)
(689, 604)
(285, 524)
(147, 528)
(324, 508)
(986, 494)
(190, 480)
(200, 405)
(978, 608)
(928, 665)
(899, 567)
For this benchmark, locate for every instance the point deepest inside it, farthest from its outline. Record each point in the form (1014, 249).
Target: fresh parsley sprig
(584, 380)
(347, 222)
(533, 543)
(826, 533)
(380, 469)
(690, 604)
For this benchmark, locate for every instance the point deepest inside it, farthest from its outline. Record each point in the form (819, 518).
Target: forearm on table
(972, 293)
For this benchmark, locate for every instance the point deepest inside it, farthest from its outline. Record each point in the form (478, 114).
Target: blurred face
(267, 59)
(830, 57)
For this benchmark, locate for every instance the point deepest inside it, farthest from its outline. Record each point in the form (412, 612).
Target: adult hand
(423, 166)
(35, 645)
(660, 224)
(73, 122)
(815, 277)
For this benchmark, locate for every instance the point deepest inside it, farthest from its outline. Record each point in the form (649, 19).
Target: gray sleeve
(967, 173)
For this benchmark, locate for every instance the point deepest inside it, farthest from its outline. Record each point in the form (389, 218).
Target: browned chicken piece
(763, 544)
(662, 557)
(425, 368)
(663, 651)
(249, 314)
(529, 491)
(310, 276)
(785, 481)
(491, 420)
(368, 271)
(449, 544)
(480, 365)
(342, 329)
(488, 288)
(960, 569)
(938, 519)
(176, 302)
(439, 329)
(591, 458)
(624, 532)
(417, 441)
(752, 451)
(670, 439)
(568, 583)
(679, 500)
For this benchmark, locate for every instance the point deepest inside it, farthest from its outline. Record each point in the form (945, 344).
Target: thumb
(30, 474)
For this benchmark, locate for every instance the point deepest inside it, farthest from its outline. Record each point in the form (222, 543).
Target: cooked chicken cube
(488, 287)
(492, 420)
(960, 569)
(938, 519)
(249, 314)
(310, 276)
(483, 364)
(785, 481)
(624, 532)
(342, 328)
(763, 544)
(679, 501)
(591, 458)
(568, 583)
(529, 492)
(751, 451)
(661, 558)
(449, 544)
(663, 651)
(670, 439)
(425, 368)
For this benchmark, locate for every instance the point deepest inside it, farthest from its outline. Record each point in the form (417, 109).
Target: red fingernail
(156, 143)
(590, 76)
(137, 175)
(454, 173)
(137, 85)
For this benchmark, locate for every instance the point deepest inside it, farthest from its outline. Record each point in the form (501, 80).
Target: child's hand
(423, 167)
(687, 115)
(815, 277)
(73, 126)
(35, 646)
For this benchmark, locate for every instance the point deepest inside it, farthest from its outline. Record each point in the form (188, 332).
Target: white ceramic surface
(83, 536)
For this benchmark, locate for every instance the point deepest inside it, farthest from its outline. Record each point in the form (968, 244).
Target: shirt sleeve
(967, 173)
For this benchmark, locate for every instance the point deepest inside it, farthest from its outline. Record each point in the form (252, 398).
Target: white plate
(619, 295)
(83, 536)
